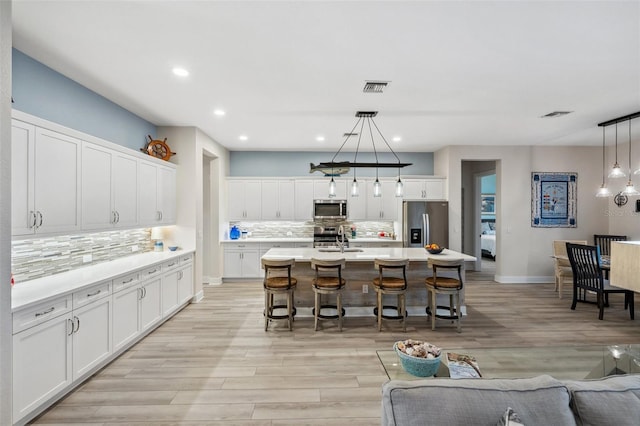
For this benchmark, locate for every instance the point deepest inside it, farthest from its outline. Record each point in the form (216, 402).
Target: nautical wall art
(554, 200)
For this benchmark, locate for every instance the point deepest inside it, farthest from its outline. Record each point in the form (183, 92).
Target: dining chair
(588, 276)
(604, 243)
(562, 266)
(391, 279)
(439, 284)
(328, 281)
(278, 280)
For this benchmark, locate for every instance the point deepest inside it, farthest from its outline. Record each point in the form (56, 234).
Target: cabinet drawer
(185, 258)
(267, 246)
(125, 281)
(170, 264)
(240, 246)
(89, 294)
(303, 245)
(150, 272)
(38, 314)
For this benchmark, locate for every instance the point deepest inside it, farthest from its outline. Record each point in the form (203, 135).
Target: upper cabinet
(384, 207)
(425, 189)
(45, 181)
(278, 200)
(157, 194)
(244, 199)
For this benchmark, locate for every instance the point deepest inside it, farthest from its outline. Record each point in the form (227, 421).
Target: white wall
(523, 251)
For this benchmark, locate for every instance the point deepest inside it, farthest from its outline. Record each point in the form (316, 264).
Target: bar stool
(395, 283)
(278, 280)
(328, 280)
(444, 285)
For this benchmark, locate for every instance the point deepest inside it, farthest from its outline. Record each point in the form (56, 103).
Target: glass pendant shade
(355, 190)
(603, 191)
(399, 188)
(332, 188)
(377, 188)
(616, 172)
(630, 189)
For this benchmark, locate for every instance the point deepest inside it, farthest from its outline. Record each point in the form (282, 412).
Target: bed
(488, 238)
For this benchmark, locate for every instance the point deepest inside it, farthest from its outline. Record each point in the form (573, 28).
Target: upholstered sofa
(540, 400)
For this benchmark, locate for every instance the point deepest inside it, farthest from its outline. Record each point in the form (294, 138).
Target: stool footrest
(389, 317)
(274, 307)
(323, 316)
(447, 308)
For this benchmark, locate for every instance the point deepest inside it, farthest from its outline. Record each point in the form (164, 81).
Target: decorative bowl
(435, 251)
(418, 366)
(173, 248)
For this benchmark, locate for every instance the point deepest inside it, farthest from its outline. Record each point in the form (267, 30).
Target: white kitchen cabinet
(109, 188)
(303, 198)
(321, 188)
(125, 316)
(170, 287)
(242, 261)
(41, 364)
(167, 195)
(278, 200)
(150, 303)
(244, 199)
(157, 194)
(45, 181)
(357, 206)
(424, 189)
(185, 282)
(92, 336)
(384, 207)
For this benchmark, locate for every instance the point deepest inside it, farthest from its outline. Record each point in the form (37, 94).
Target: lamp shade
(156, 233)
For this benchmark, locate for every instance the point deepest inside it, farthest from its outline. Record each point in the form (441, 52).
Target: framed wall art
(554, 200)
(488, 203)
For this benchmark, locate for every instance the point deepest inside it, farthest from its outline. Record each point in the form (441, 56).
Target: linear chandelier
(364, 117)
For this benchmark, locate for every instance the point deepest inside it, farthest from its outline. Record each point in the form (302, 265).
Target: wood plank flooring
(213, 363)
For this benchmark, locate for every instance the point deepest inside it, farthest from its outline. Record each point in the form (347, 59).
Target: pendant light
(630, 189)
(616, 172)
(399, 186)
(603, 191)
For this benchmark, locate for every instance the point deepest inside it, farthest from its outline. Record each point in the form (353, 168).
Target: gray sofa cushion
(540, 400)
(610, 401)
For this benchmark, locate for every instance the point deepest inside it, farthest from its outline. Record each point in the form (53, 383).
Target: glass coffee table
(561, 362)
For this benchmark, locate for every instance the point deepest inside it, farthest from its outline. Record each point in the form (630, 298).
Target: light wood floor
(213, 363)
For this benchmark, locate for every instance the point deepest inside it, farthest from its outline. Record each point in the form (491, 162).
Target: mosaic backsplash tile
(40, 257)
(279, 229)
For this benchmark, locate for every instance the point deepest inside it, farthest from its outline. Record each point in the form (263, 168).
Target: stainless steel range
(328, 236)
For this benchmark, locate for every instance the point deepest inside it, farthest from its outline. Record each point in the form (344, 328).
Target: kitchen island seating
(391, 279)
(278, 280)
(328, 280)
(588, 276)
(438, 284)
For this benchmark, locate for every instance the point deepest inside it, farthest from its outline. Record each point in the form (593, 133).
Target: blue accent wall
(283, 164)
(488, 184)
(38, 90)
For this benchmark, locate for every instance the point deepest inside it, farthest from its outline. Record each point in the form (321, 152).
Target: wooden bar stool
(329, 281)
(278, 280)
(394, 283)
(444, 285)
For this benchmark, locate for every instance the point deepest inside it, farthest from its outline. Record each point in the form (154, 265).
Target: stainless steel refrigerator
(425, 222)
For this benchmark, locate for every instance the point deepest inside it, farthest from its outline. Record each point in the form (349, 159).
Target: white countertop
(365, 255)
(306, 240)
(38, 290)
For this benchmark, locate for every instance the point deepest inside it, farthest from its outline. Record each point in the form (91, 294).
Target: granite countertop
(39, 290)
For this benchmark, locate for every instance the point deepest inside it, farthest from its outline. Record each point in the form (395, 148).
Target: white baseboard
(524, 279)
(197, 297)
(212, 280)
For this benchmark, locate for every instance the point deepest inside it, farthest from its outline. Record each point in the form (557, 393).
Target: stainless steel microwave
(330, 209)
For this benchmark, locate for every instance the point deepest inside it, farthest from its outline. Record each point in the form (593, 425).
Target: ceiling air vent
(375, 86)
(556, 114)
(348, 135)
(366, 113)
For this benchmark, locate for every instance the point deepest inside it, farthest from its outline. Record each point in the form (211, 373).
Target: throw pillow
(510, 418)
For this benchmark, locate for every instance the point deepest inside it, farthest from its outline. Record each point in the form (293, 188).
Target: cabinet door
(22, 174)
(150, 303)
(92, 336)
(125, 316)
(413, 189)
(286, 200)
(270, 196)
(235, 192)
(435, 189)
(253, 200)
(57, 182)
(303, 198)
(167, 195)
(389, 202)
(41, 364)
(124, 176)
(148, 191)
(169, 292)
(357, 206)
(232, 263)
(97, 212)
(251, 264)
(321, 188)
(185, 284)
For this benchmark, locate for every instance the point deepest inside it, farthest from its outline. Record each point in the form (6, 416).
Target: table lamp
(156, 234)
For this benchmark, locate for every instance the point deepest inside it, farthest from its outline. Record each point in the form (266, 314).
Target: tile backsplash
(40, 257)
(280, 229)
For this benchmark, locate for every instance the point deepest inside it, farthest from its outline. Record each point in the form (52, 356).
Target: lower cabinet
(91, 337)
(242, 263)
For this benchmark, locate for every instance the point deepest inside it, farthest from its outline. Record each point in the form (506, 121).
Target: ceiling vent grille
(375, 86)
(366, 113)
(348, 135)
(556, 114)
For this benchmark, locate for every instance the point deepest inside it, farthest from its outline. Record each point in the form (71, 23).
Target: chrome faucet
(340, 238)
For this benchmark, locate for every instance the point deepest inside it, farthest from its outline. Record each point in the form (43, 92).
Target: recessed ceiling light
(180, 72)
(396, 139)
(320, 138)
(219, 112)
(243, 137)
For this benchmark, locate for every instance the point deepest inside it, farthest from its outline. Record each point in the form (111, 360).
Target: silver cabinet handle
(140, 293)
(40, 216)
(113, 217)
(77, 323)
(117, 216)
(94, 294)
(35, 219)
(127, 281)
(180, 275)
(70, 321)
(48, 311)
(171, 264)
(152, 272)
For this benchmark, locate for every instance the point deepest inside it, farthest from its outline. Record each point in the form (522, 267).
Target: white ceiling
(285, 72)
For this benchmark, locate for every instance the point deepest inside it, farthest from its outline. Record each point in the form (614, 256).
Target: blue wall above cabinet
(38, 90)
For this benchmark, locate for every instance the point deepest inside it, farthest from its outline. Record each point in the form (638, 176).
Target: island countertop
(364, 254)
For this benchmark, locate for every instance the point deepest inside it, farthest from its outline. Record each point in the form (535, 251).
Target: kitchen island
(359, 297)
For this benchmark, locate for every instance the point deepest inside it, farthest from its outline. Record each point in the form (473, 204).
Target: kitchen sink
(337, 250)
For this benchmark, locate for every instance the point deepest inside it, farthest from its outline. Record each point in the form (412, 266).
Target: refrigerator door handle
(426, 238)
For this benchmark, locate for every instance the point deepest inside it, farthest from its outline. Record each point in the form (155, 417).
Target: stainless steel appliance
(330, 209)
(328, 236)
(425, 222)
